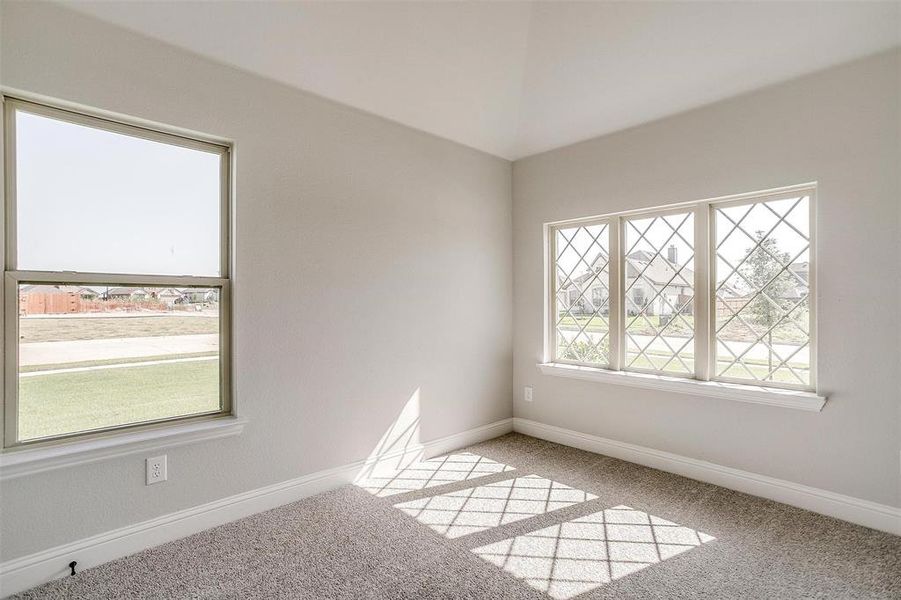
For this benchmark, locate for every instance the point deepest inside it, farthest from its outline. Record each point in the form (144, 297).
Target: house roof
(659, 270)
(656, 268)
(125, 291)
(54, 289)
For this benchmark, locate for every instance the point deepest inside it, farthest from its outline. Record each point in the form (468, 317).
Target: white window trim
(739, 392)
(28, 461)
(702, 382)
(22, 458)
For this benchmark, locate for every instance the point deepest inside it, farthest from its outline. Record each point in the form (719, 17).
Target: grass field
(650, 325)
(655, 360)
(636, 325)
(55, 404)
(95, 328)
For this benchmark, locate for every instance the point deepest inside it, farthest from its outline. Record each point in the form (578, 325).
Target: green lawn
(785, 333)
(759, 368)
(636, 325)
(56, 404)
(655, 360)
(94, 328)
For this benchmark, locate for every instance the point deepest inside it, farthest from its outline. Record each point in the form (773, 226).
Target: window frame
(620, 253)
(550, 318)
(14, 277)
(704, 286)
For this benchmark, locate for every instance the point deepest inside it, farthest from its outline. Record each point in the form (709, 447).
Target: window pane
(93, 357)
(659, 293)
(91, 200)
(762, 291)
(582, 310)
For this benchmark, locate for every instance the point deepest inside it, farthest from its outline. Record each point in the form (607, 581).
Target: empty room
(450, 299)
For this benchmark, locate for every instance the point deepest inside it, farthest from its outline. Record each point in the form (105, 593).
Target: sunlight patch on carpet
(387, 480)
(580, 555)
(475, 509)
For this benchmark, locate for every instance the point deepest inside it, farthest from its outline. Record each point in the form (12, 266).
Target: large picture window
(117, 275)
(718, 290)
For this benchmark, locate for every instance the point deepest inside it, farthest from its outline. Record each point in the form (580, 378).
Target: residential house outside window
(718, 290)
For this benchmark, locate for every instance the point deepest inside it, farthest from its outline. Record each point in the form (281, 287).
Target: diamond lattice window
(659, 293)
(623, 297)
(582, 294)
(762, 292)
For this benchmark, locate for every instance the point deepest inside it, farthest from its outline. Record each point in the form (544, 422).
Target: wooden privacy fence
(44, 303)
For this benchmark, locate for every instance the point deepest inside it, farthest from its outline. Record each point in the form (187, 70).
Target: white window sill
(26, 461)
(730, 391)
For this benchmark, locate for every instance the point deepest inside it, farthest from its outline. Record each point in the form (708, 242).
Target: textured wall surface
(841, 128)
(371, 261)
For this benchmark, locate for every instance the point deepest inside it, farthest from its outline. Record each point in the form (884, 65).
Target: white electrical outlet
(527, 395)
(156, 469)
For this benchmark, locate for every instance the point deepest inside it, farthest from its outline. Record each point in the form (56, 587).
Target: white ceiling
(517, 78)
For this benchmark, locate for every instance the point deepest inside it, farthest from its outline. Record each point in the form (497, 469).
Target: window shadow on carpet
(387, 480)
(550, 549)
(576, 556)
(475, 509)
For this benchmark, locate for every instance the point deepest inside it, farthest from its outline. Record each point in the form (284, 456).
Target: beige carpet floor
(514, 517)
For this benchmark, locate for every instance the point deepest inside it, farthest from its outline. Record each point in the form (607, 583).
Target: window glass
(763, 291)
(582, 313)
(755, 313)
(659, 293)
(99, 356)
(95, 201)
(116, 277)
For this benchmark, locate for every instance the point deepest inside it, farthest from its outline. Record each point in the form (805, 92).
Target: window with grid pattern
(658, 261)
(581, 314)
(762, 291)
(712, 290)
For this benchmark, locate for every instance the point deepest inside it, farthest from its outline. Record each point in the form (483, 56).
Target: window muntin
(658, 292)
(581, 281)
(117, 288)
(762, 291)
(753, 322)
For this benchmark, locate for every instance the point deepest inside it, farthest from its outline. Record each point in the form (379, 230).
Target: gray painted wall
(840, 128)
(353, 233)
(367, 256)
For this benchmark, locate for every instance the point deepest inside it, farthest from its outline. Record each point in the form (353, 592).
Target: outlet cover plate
(156, 469)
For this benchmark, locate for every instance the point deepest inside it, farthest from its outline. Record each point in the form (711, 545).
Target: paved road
(50, 353)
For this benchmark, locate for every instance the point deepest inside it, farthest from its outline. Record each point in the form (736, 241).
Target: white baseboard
(28, 571)
(862, 512)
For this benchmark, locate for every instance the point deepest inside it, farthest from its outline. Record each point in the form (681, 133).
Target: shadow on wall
(397, 464)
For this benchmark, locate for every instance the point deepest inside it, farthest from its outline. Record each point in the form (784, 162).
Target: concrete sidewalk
(49, 353)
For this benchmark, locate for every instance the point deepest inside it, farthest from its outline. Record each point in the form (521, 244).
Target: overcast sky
(95, 201)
